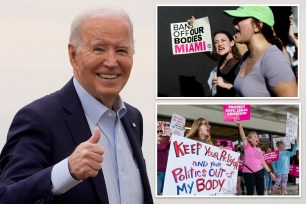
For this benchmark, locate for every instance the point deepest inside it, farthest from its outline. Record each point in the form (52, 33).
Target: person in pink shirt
(162, 158)
(238, 148)
(254, 162)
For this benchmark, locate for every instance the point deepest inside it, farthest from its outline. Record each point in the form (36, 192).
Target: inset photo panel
(227, 51)
(228, 150)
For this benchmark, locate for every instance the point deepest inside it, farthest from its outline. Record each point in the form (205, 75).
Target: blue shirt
(121, 173)
(281, 166)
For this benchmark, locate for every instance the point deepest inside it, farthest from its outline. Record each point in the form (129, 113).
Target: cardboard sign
(292, 125)
(195, 168)
(229, 144)
(240, 112)
(164, 126)
(194, 38)
(177, 125)
(271, 156)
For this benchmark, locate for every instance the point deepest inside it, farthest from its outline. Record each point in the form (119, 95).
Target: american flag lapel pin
(133, 124)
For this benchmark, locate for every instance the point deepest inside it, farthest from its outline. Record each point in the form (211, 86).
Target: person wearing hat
(264, 70)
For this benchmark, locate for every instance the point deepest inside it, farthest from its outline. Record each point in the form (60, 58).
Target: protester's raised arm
(241, 132)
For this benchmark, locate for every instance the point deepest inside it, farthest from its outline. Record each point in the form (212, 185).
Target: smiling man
(81, 144)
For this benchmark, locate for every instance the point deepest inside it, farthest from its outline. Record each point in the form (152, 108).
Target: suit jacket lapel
(80, 131)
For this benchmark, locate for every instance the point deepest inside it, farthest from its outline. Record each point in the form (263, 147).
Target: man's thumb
(95, 137)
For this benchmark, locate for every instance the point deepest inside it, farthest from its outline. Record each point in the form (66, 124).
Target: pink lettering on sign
(240, 112)
(271, 156)
(190, 47)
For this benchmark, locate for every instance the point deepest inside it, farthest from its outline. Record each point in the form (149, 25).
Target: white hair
(77, 24)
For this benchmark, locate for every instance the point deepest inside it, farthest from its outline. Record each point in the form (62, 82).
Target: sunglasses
(159, 131)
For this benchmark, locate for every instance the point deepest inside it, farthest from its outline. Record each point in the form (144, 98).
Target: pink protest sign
(229, 144)
(294, 170)
(291, 169)
(240, 112)
(271, 156)
(297, 171)
(241, 163)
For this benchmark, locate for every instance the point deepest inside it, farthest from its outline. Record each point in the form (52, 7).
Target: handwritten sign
(196, 168)
(271, 156)
(240, 112)
(291, 127)
(177, 125)
(194, 38)
(164, 126)
(229, 144)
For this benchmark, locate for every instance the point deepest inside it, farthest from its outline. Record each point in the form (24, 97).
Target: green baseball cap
(262, 13)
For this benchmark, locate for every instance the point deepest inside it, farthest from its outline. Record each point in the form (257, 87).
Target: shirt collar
(93, 109)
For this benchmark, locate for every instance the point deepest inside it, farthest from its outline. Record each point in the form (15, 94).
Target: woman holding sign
(254, 162)
(228, 56)
(264, 69)
(200, 131)
(228, 66)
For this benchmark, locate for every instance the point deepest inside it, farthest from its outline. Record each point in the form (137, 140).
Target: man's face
(103, 61)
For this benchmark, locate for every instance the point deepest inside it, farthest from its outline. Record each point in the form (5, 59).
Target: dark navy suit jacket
(45, 132)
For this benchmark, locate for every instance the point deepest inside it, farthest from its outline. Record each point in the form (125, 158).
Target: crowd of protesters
(255, 175)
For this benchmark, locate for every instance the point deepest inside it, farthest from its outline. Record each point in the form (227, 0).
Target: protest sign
(284, 139)
(240, 112)
(177, 125)
(271, 156)
(297, 171)
(229, 144)
(241, 163)
(194, 38)
(291, 127)
(195, 168)
(294, 170)
(164, 126)
(291, 169)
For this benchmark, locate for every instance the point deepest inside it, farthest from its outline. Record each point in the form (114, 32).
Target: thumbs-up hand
(86, 160)
(94, 139)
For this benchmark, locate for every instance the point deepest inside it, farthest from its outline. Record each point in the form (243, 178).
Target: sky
(34, 60)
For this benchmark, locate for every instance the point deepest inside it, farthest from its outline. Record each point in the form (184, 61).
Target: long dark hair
(269, 34)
